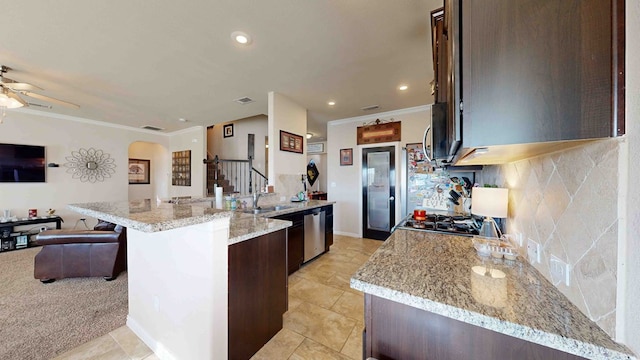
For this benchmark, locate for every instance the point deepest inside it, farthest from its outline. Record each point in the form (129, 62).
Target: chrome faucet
(256, 196)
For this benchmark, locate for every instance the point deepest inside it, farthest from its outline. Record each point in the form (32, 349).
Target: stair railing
(241, 174)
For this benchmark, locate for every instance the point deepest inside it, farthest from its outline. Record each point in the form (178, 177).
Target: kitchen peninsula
(430, 295)
(183, 260)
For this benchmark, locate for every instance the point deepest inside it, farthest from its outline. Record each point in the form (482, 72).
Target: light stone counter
(247, 226)
(435, 272)
(244, 227)
(151, 216)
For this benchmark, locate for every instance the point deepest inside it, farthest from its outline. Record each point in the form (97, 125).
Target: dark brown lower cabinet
(398, 331)
(295, 246)
(328, 240)
(257, 292)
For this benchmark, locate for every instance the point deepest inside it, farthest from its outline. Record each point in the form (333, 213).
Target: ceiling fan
(10, 91)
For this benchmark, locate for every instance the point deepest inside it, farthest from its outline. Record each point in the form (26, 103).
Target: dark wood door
(257, 292)
(295, 241)
(378, 192)
(538, 70)
(295, 245)
(439, 49)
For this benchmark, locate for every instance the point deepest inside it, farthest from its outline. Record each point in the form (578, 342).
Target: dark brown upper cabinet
(537, 74)
(439, 51)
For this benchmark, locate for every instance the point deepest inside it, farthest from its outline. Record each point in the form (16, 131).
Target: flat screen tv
(22, 163)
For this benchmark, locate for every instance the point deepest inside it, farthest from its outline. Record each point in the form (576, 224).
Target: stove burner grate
(455, 224)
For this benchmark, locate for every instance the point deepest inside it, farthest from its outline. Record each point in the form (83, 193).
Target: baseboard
(157, 348)
(347, 234)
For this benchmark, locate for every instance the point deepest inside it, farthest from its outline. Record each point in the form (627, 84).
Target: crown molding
(102, 123)
(365, 118)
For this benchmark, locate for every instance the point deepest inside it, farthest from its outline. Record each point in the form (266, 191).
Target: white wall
(286, 115)
(628, 319)
(158, 182)
(236, 147)
(345, 182)
(186, 271)
(61, 135)
(193, 139)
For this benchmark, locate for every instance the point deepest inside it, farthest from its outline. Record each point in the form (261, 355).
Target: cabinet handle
(424, 144)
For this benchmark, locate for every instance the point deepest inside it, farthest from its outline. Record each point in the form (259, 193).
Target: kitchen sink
(262, 210)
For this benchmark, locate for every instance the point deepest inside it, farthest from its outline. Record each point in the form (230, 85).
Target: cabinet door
(295, 241)
(439, 49)
(257, 292)
(295, 248)
(537, 70)
(328, 223)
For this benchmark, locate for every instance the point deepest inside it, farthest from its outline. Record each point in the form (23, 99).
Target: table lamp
(490, 203)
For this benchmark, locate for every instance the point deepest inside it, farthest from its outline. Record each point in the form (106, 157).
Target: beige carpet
(40, 321)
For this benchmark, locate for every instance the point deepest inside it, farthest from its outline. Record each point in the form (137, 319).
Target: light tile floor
(324, 320)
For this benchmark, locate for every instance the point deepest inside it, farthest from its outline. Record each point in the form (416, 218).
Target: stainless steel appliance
(467, 225)
(314, 234)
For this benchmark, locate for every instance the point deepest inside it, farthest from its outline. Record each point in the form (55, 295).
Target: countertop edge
(543, 338)
(278, 225)
(149, 227)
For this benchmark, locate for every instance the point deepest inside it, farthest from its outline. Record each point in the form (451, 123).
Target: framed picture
(227, 130)
(346, 157)
(139, 171)
(181, 168)
(315, 148)
(290, 142)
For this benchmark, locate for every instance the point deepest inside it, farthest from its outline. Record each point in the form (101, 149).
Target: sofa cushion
(104, 226)
(51, 237)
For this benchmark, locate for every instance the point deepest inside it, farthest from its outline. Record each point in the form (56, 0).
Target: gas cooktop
(453, 224)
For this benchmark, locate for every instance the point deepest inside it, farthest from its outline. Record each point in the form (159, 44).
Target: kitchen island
(429, 295)
(181, 258)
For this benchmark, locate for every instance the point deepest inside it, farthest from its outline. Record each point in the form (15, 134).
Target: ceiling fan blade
(50, 99)
(18, 86)
(12, 95)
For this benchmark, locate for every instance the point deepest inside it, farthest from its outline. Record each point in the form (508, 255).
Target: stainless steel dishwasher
(314, 233)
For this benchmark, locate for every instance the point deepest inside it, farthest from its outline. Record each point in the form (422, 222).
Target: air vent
(244, 100)
(369, 108)
(149, 127)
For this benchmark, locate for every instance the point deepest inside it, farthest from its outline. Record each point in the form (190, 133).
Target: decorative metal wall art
(90, 165)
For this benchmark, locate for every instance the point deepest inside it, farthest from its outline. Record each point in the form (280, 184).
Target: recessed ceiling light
(241, 37)
(331, 103)
(182, 120)
(309, 135)
(403, 87)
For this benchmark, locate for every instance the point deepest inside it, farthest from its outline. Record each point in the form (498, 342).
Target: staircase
(227, 188)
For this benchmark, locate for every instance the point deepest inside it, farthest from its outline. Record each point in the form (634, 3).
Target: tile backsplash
(289, 184)
(568, 202)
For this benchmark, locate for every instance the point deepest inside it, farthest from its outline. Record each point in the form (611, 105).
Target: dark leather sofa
(81, 253)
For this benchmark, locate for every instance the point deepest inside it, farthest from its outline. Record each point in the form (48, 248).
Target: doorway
(378, 192)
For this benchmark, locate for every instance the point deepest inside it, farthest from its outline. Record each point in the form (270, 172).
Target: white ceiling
(135, 62)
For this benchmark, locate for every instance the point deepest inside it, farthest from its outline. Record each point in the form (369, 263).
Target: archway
(148, 171)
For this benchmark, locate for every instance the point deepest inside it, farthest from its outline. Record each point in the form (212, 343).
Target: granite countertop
(151, 216)
(247, 226)
(244, 227)
(444, 275)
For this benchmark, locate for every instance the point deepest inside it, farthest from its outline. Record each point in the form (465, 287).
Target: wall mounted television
(22, 163)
